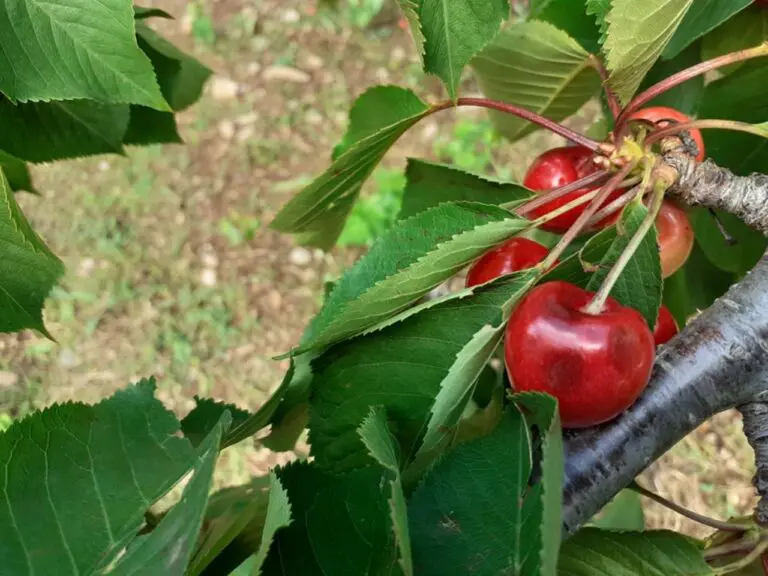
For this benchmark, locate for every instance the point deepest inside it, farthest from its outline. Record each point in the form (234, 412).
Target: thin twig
(610, 95)
(708, 124)
(544, 198)
(616, 204)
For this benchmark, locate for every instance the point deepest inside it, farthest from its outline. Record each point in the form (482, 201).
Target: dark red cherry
(596, 365)
(666, 327)
(657, 115)
(554, 169)
(515, 254)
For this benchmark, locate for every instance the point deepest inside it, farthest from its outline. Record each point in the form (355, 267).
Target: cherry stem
(555, 193)
(610, 95)
(706, 124)
(618, 203)
(520, 112)
(690, 514)
(756, 552)
(597, 303)
(685, 75)
(584, 217)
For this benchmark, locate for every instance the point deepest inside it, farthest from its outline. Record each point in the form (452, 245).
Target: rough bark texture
(707, 184)
(756, 430)
(719, 361)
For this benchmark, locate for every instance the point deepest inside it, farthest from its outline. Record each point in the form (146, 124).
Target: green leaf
(17, 173)
(28, 269)
(375, 434)
(167, 550)
(78, 479)
(198, 423)
(181, 77)
(46, 131)
(738, 96)
(78, 50)
(639, 285)
(600, 9)
(577, 268)
(538, 67)
(278, 516)
(232, 527)
(745, 30)
(341, 524)
(292, 413)
(429, 184)
(318, 212)
(638, 32)
(401, 367)
(407, 262)
(624, 512)
(687, 96)
(571, 18)
(543, 526)
(695, 286)
(593, 551)
(147, 126)
(465, 518)
(456, 30)
(141, 13)
(738, 257)
(410, 9)
(703, 16)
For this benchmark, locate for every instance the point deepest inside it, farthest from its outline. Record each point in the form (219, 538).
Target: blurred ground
(173, 273)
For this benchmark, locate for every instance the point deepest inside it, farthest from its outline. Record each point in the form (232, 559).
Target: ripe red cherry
(556, 168)
(516, 254)
(761, 3)
(595, 365)
(666, 327)
(675, 237)
(657, 115)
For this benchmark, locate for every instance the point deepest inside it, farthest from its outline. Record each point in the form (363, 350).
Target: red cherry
(657, 115)
(556, 168)
(595, 365)
(666, 327)
(516, 254)
(675, 237)
(761, 3)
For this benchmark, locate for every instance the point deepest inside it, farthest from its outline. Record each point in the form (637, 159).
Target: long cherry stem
(708, 124)
(520, 112)
(616, 204)
(597, 303)
(547, 197)
(610, 95)
(584, 217)
(690, 514)
(685, 75)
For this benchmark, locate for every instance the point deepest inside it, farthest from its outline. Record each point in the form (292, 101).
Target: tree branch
(707, 184)
(718, 362)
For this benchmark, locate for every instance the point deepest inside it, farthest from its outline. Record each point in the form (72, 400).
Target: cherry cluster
(595, 364)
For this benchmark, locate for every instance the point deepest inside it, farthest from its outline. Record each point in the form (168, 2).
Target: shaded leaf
(702, 17)
(638, 32)
(429, 184)
(278, 516)
(536, 66)
(456, 30)
(738, 257)
(46, 131)
(593, 551)
(147, 126)
(181, 77)
(623, 512)
(167, 550)
(318, 212)
(80, 50)
(17, 173)
(409, 360)
(572, 18)
(375, 434)
(28, 269)
(687, 96)
(745, 30)
(78, 479)
(408, 261)
(542, 509)
(292, 412)
(327, 537)
(640, 285)
(465, 518)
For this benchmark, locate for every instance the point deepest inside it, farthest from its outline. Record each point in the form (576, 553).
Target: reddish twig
(610, 95)
(544, 198)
